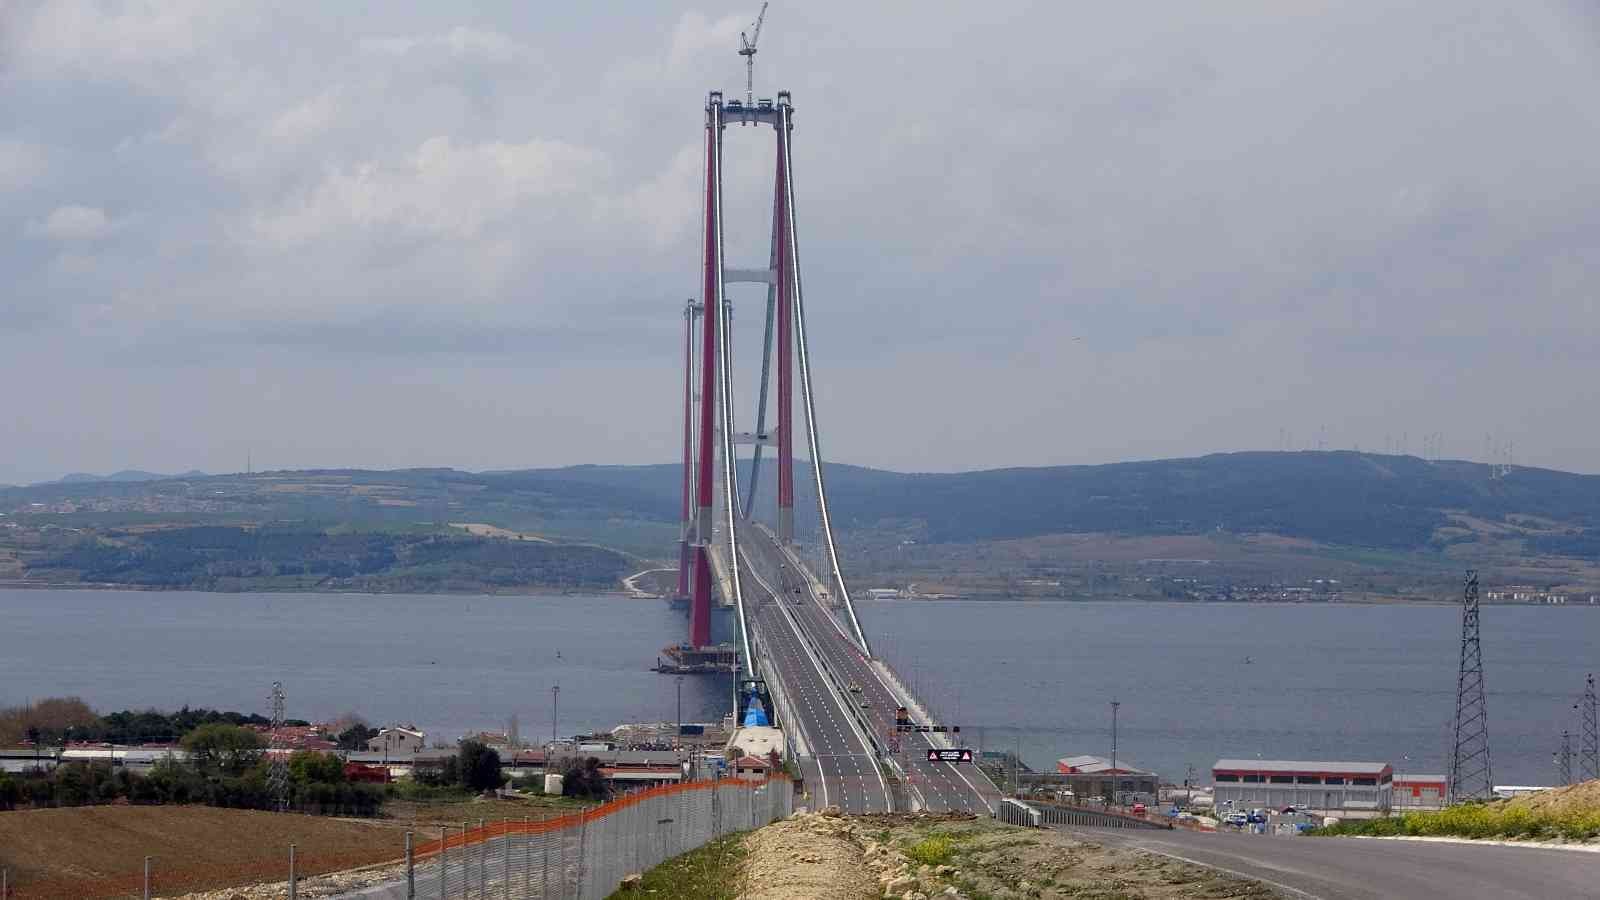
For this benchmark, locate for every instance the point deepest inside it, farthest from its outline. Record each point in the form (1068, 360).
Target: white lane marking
(878, 677)
(1246, 875)
(816, 663)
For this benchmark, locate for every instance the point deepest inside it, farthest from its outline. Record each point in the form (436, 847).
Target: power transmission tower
(1589, 749)
(1564, 758)
(278, 753)
(1470, 776)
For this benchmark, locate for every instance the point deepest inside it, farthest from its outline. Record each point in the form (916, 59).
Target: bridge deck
(789, 615)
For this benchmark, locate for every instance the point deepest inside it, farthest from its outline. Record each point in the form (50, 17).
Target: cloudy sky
(417, 233)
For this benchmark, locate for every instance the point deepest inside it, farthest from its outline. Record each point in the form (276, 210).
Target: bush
(311, 767)
(10, 792)
(1477, 820)
(583, 778)
(934, 850)
(479, 767)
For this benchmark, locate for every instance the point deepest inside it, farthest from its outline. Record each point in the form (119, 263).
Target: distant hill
(126, 475)
(1334, 497)
(1338, 498)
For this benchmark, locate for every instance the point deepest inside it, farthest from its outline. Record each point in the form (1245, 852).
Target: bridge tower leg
(785, 315)
(686, 536)
(700, 596)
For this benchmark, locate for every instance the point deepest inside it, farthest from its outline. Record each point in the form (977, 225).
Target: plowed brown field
(99, 851)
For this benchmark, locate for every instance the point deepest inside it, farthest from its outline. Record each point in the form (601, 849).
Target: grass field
(1570, 813)
(711, 872)
(99, 851)
(429, 814)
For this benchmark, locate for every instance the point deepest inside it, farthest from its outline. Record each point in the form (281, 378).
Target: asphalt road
(937, 786)
(842, 770)
(1357, 869)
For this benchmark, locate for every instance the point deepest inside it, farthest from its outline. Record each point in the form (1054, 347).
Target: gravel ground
(827, 856)
(806, 857)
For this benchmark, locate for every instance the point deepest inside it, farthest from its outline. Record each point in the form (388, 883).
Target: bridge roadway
(934, 786)
(1327, 868)
(842, 769)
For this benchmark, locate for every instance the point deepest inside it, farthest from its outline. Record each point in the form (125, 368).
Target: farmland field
(99, 851)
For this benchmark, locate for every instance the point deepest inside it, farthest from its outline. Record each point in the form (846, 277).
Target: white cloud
(444, 190)
(74, 223)
(21, 164)
(307, 119)
(99, 37)
(459, 41)
(695, 35)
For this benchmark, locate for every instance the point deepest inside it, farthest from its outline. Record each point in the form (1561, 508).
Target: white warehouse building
(1347, 789)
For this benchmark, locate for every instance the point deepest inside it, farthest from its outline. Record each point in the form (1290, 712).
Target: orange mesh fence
(491, 830)
(172, 877)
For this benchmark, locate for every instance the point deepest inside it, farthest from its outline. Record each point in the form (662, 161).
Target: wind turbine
(747, 49)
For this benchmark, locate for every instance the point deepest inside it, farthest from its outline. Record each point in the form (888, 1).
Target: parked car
(1138, 809)
(1237, 820)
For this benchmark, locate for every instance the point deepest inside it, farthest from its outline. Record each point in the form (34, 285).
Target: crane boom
(747, 49)
(756, 35)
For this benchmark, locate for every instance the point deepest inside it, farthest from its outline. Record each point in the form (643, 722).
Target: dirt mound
(921, 856)
(811, 856)
(1583, 797)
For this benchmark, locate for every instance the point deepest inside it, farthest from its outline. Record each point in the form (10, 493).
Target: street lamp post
(555, 711)
(1115, 793)
(677, 736)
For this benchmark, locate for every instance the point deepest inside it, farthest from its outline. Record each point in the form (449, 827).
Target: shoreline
(623, 593)
(168, 589)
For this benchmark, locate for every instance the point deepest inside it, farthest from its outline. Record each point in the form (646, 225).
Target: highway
(934, 786)
(842, 770)
(1357, 869)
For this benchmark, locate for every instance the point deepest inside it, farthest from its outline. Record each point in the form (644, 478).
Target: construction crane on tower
(747, 49)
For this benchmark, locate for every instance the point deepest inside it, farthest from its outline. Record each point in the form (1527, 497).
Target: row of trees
(54, 720)
(232, 775)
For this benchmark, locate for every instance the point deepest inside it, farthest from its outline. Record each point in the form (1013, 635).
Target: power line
(1589, 748)
(278, 752)
(1470, 775)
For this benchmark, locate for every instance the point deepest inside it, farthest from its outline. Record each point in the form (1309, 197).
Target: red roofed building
(1093, 776)
(750, 768)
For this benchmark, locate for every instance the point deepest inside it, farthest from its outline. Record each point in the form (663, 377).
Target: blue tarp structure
(754, 715)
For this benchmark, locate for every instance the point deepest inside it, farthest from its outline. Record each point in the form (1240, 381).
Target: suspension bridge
(861, 740)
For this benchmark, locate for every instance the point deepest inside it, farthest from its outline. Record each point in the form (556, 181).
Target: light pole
(555, 711)
(1114, 779)
(677, 736)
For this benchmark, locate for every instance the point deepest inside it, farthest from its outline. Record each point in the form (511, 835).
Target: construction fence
(585, 855)
(577, 856)
(1039, 815)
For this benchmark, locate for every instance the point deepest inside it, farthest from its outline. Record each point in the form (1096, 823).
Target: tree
(479, 766)
(583, 778)
(45, 720)
(311, 767)
(10, 792)
(356, 736)
(222, 748)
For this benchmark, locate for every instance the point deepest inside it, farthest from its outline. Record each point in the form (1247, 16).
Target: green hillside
(1392, 503)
